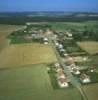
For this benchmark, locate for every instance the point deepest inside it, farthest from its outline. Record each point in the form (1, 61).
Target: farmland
(31, 82)
(91, 91)
(90, 46)
(23, 67)
(5, 30)
(24, 54)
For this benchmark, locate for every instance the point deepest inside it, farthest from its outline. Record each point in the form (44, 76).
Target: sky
(49, 5)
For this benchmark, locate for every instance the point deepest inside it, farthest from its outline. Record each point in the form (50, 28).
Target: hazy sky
(49, 5)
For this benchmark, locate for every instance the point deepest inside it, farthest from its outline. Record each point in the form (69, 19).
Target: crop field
(24, 54)
(91, 91)
(32, 82)
(5, 30)
(90, 46)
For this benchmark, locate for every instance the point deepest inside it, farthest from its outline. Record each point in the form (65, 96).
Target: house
(60, 46)
(75, 71)
(59, 69)
(63, 83)
(57, 65)
(56, 44)
(71, 67)
(65, 54)
(45, 40)
(85, 78)
(62, 50)
(60, 75)
(69, 60)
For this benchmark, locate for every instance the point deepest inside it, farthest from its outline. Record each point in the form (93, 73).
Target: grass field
(90, 46)
(24, 54)
(5, 30)
(32, 82)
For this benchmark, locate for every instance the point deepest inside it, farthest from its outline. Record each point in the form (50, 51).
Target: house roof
(83, 76)
(62, 80)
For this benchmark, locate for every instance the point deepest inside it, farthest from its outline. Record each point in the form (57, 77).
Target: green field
(32, 83)
(62, 26)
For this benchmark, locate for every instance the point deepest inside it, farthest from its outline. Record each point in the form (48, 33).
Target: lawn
(89, 46)
(24, 54)
(32, 82)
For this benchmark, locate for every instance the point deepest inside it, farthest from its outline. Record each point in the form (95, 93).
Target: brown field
(90, 46)
(23, 54)
(5, 30)
(91, 91)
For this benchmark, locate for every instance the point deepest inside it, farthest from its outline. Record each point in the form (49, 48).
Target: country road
(73, 80)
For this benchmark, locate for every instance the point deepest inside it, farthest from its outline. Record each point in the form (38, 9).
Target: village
(62, 42)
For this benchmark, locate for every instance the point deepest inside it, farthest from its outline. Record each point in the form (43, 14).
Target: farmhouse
(63, 83)
(73, 69)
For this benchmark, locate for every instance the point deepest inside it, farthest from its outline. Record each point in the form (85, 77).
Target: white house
(75, 71)
(85, 78)
(63, 83)
(57, 65)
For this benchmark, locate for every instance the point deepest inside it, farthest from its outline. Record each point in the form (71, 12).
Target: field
(5, 30)
(23, 69)
(91, 91)
(24, 54)
(62, 26)
(32, 82)
(90, 46)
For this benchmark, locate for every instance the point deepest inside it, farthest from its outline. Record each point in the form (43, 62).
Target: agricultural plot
(24, 54)
(90, 46)
(91, 91)
(5, 30)
(32, 82)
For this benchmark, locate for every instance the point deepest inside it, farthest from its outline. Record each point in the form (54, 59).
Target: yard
(24, 54)
(32, 82)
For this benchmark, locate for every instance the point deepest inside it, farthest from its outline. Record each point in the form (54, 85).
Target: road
(73, 80)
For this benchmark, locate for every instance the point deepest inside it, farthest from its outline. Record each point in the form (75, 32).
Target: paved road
(73, 80)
